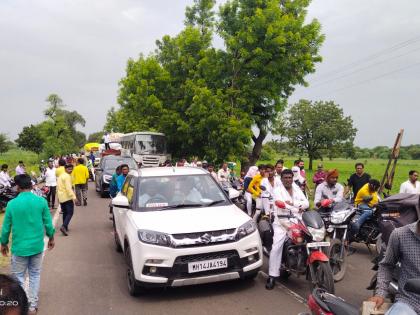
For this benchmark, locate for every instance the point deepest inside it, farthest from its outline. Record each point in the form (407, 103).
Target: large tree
(318, 128)
(4, 143)
(207, 100)
(30, 138)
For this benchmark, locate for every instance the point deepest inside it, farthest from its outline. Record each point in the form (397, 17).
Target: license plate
(205, 265)
(318, 244)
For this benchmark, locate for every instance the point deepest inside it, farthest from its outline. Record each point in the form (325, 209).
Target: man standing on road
(412, 186)
(20, 169)
(357, 180)
(60, 169)
(5, 179)
(80, 181)
(66, 197)
(28, 219)
(51, 183)
(403, 247)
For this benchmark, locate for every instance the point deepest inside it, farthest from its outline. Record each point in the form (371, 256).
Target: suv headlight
(155, 238)
(107, 178)
(317, 234)
(246, 229)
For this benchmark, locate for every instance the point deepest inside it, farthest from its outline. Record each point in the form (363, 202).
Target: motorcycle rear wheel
(324, 277)
(338, 267)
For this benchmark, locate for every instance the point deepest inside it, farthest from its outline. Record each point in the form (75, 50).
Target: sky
(78, 49)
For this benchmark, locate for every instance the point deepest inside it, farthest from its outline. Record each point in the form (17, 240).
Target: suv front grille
(183, 240)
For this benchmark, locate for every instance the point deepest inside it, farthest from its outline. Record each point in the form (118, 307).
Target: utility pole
(388, 178)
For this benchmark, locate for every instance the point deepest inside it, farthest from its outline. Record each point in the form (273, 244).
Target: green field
(12, 157)
(375, 167)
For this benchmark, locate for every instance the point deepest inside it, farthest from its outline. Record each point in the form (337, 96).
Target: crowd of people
(28, 215)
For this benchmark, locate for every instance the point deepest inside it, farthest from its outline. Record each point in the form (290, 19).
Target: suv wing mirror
(121, 202)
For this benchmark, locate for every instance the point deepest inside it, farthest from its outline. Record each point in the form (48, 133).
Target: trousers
(32, 265)
(276, 253)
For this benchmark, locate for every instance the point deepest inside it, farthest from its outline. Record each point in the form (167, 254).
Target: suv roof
(169, 171)
(116, 157)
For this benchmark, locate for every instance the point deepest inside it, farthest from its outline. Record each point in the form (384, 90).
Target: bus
(147, 148)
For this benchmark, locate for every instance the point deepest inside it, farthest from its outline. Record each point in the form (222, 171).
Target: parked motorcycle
(302, 251)
(6, 194)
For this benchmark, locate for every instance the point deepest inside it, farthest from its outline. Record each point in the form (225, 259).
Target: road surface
(85, 275)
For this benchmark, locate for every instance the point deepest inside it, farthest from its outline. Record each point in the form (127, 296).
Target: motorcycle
(337, 223)
(321, 302)
(302, 251)
(234, 194)
(6, 194)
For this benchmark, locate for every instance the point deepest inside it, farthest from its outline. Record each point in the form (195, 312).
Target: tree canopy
(208, 101)
(319, 129)
(4, 143)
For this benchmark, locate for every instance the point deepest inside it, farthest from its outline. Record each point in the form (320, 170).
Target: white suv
(177, 227)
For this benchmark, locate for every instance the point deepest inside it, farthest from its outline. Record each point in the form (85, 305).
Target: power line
(372, 79)
(362, 69)
(374, 55)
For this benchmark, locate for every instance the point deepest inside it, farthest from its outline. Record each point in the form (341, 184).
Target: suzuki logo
(205, 238)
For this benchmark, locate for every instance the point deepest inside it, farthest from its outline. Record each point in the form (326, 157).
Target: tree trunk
(256, 150)
(311, 158)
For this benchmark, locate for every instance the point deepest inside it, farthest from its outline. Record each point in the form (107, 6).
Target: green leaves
(207, 100)
(319, 128)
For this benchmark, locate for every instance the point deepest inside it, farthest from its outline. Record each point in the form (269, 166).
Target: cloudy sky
(78, 49)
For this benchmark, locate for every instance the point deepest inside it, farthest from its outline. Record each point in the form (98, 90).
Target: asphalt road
(85, 275)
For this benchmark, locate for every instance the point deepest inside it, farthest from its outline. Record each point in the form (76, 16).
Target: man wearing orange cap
(330, 191)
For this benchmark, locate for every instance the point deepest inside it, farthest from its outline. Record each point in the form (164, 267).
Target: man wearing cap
(319, 175)
(329, 191)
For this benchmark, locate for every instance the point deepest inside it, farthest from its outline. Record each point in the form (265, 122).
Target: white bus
(147, 148)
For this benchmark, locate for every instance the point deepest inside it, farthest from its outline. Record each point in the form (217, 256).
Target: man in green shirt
(28, 219)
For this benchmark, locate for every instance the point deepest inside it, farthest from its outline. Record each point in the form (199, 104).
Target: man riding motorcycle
(329, 191)
(289, 199)
(367, 198)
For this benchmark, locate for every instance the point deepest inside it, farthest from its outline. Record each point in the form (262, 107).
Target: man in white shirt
(210, 169)
(20, 169)
(107, 140)
(329, 190)
(289, 199)
(223, 173)
(412, 186)
(51, 183)
(4, 176)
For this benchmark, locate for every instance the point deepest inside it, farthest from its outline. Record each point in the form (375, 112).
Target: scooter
(6, 194)
(321, 302)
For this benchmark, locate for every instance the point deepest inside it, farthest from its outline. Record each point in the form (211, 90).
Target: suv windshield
(151, 144)
(183, 191)
(112, 164)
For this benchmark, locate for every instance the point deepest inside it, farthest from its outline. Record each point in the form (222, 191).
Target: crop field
(375, 167)
(12, 157)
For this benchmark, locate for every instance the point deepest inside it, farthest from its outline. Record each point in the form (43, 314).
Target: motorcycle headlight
(337, 218)
(107, 178)
(154, 238)
(317, 234)
(246, 229)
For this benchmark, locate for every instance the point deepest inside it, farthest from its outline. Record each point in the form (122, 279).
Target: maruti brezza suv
(177, 227)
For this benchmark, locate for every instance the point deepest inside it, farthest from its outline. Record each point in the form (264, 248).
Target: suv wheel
(133, 288)
(118, 246)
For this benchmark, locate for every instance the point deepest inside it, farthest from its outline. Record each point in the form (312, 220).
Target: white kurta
(298, 202)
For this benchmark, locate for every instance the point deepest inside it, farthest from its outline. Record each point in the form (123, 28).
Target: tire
(133, 288)
(338, 267)
(324, 277)
(103, 193)
(251, 277)
(118, 246)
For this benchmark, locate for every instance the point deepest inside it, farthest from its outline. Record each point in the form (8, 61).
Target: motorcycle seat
(339, 306)
(333, 304)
